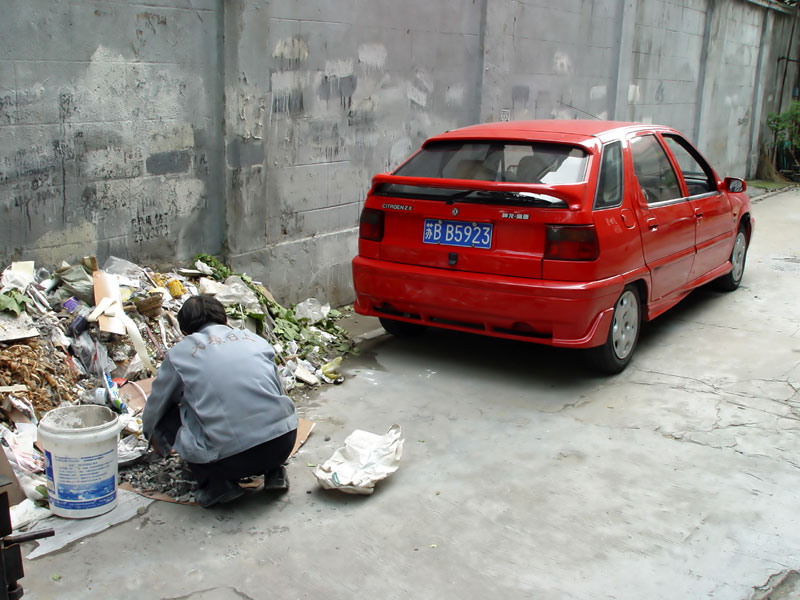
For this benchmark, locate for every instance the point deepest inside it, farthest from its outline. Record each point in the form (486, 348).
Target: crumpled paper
(365, 459)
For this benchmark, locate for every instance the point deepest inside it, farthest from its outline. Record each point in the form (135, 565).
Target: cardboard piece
(304, 429)
(253, 484)
(14, 489)
(107, 286)
(23, 267)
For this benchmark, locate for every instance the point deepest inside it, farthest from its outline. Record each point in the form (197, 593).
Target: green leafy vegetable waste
(14, 301)
(287, 327)
(221, 272)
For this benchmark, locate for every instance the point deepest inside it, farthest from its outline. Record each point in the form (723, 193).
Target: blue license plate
(457, 233)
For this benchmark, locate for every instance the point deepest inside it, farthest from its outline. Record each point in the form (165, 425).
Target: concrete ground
(523, 476)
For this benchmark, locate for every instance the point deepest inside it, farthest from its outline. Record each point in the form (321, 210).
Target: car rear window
(546, 163)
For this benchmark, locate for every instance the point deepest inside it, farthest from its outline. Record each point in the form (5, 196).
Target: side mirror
(734, 185)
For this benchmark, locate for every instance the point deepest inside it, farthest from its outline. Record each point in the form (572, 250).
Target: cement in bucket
(80, 453)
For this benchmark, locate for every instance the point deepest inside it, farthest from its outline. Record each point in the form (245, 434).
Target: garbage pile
(84, 334)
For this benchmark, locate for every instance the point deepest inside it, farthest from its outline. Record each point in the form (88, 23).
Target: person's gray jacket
(228, 389)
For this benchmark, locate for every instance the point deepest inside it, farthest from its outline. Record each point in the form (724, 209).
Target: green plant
(785, 128)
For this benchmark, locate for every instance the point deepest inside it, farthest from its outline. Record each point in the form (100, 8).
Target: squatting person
(218, 401)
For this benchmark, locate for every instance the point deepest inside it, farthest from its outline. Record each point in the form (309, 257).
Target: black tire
(623, 335)
(402, 329)
(731, 281)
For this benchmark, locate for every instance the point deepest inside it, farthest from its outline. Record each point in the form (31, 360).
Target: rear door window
(653, 170)
(609, 185)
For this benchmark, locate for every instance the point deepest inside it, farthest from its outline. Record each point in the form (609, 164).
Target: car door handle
(698, 212)
(652, 224)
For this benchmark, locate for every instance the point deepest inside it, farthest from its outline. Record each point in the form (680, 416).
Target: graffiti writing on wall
(150, 226)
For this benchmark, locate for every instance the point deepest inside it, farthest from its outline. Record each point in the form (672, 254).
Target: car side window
(696, 172)
(609, 183)
(653, 170)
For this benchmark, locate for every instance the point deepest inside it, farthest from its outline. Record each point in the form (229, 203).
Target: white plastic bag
(365, 459)
(130, 271)
(17, 279)
(312, 310)
(235, 291)
(209, 286)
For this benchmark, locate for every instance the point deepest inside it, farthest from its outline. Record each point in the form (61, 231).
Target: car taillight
(371, 225)
(571, 242)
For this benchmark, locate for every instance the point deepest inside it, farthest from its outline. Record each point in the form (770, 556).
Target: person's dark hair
(199, 311)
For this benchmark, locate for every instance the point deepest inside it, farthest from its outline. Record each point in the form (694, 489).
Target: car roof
(580, 131)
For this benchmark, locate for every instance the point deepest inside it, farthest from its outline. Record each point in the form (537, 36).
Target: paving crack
(782, 585)
(194, 594)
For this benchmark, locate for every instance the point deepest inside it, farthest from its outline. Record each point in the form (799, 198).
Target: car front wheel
(731, 281)
(623, 335)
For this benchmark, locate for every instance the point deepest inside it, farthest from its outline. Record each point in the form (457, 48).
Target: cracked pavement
(523, 476)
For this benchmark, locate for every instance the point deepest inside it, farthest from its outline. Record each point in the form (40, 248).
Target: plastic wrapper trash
(130, 449)
(92, 354)
(128, 270)
(312, 310)
(235, 291)
(209, 286)
(17, 277)
(203, 268)
(77, 282)
(365, 459)
(19, 449)
(26, 513)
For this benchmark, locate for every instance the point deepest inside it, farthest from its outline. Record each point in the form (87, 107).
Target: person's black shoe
(217, 492)
(276, 479)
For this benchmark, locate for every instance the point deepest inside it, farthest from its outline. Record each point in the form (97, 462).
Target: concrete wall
(251, 128)
(705, 67)
(547, 60)
(326, 94)
(110, 116)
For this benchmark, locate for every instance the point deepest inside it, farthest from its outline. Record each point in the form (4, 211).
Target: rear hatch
(479, 206)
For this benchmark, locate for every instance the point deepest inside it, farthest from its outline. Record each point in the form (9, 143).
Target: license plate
(457, 233)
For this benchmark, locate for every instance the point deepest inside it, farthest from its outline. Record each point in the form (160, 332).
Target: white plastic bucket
(80, 454)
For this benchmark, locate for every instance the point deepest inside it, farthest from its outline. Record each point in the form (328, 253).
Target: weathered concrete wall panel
(110, 123)
(344, 90)
(549, 60)
(730, 79)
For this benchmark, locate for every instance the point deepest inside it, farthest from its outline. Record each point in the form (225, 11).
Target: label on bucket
(79, 483)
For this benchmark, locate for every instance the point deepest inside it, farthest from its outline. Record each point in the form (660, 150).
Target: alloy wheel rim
(626, 324)
(737, 257)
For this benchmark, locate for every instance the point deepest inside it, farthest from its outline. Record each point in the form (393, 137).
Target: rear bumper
(556, 313)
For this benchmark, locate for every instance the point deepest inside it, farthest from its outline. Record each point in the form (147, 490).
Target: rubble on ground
(155, 475)
(78, 334)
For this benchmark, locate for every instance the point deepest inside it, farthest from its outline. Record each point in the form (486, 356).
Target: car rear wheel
(402, 328)
(623, 335)
(731, 281)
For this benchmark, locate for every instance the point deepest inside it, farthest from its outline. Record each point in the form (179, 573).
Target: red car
(568, 233)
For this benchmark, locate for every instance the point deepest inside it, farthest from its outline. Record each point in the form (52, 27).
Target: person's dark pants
(258, 460)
